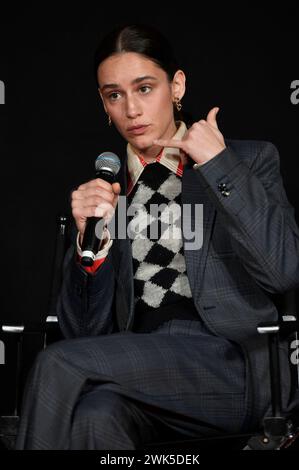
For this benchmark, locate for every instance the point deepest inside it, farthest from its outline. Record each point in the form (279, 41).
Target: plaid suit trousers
(122, 390)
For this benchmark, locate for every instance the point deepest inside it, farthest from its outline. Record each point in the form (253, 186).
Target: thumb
(211, 117)
(116, 188)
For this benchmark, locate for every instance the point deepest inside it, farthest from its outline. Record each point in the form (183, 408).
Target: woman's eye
(145, 89)
(114, 96)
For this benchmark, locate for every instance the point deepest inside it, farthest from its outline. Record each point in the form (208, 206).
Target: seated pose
(160, 333)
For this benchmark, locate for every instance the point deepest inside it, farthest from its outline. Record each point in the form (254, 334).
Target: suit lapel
(193, 194)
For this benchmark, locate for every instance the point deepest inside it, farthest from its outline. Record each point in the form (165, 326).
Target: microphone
(107, 165)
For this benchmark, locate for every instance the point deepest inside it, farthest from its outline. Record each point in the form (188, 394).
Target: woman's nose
(133, 109)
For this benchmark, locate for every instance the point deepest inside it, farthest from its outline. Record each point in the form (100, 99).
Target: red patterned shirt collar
(169, 157)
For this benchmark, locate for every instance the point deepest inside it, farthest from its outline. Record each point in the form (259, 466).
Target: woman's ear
(178, 84)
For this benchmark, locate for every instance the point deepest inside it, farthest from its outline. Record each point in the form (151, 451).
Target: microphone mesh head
(108, 161)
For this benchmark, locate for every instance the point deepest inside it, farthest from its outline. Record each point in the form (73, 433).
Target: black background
(52, 127)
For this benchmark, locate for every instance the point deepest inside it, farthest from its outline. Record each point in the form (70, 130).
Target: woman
(168, 345)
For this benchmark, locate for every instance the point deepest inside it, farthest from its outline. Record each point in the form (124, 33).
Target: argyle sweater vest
(161, 285)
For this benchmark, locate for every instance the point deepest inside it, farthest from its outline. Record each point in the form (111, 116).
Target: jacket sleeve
(253, 207)
(85, 303)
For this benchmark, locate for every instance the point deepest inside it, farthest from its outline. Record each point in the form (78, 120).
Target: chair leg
(274, 442)
(8, 432)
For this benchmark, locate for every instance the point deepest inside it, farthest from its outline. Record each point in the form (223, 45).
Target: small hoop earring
(109, 121)
(178, 104)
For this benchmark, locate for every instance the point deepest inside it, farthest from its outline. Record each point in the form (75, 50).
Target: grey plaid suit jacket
(250, 251)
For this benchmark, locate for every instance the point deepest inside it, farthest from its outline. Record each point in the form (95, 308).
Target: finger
(211, 117)
(96, 200)
(77, 195)
(92, 192)
(96, 183)
(116, 188)
(105, 210)
(84, 212)
(172, 143)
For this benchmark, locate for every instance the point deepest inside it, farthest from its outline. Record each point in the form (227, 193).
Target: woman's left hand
(202, 141)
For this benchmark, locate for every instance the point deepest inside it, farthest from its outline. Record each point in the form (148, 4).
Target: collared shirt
(169, 157)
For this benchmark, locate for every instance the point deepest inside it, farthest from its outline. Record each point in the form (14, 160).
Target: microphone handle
(91, 242)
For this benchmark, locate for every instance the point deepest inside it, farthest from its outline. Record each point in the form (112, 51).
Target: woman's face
(138, 96)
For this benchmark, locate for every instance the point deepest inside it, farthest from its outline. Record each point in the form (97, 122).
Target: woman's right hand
(96, 198)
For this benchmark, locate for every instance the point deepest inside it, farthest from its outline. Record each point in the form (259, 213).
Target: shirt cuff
(197, 165)
(105, 245)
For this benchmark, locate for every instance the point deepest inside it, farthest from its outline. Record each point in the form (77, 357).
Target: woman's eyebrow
(136, 80)
(145, 77)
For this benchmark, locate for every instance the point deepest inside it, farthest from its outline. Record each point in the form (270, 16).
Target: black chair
(21, 343)
(279, 431)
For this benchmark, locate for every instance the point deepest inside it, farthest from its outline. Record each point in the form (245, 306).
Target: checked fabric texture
(160, 276)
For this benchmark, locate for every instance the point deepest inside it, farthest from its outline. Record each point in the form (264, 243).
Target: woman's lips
(137, 130)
